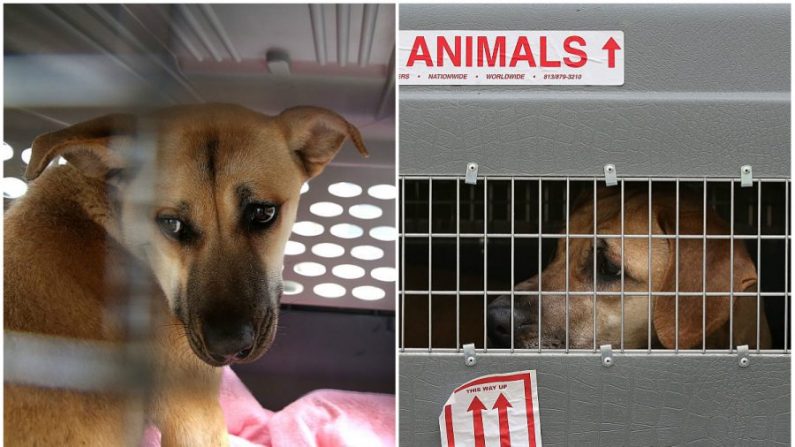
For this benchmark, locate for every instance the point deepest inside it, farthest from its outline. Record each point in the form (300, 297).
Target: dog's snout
(227, 341)
(499, 319)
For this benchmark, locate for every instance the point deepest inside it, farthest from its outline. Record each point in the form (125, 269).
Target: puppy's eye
(175, 229)
(605, 268)
(261, 215)
(171, 226)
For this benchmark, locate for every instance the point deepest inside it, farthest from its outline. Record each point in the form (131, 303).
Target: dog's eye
(171, 226)
(261, 216)
(175, 229)
(605, 268)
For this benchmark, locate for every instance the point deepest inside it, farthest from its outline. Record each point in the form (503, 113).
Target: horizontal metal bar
(65, 363)
(601, 236)
(628, 293)
(590, 178)
(590, 352)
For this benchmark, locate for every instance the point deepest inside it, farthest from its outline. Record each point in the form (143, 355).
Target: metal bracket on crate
(469, 354)
(742, 354)
(607, 355)
(611, 178)
(471, 174)
(746, 176)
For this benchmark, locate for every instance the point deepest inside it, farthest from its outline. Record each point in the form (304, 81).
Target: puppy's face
(212, 210)
(598, 266)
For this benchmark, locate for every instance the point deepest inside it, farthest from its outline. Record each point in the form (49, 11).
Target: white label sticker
(511, 58)
(493, 411)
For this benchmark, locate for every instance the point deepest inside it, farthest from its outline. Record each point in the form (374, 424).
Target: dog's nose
(499, 318)
(499, 324)
(226, 342)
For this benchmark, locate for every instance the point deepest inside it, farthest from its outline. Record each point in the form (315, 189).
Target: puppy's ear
(718, 279)
(85, 145)
(316, 135)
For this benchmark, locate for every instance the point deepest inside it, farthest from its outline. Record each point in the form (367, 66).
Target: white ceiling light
(348, 271)
(386, 274)
(346, 231)
(309, 269)
(365, 211)
(25, 155)
(13, 187)
(367, 253)
(294, 248)
(328, 250)
(61, 161)
(368, 293)
(292, 287)
(307, 228)
(383, 192)
(329, 290)
(345, 189)
(304, 188)
(383, 233)
(325, 209)
(7, 152)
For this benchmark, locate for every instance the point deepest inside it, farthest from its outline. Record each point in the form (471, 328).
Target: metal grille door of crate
(504, 225)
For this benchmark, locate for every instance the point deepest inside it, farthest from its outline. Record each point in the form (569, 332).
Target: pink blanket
(323, 418)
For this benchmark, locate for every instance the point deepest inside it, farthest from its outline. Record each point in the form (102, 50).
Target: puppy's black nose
(499, 321)
(225, 342)
(499, 324)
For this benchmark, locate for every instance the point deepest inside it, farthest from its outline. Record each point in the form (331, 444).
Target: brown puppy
(636, 282)
(202, 200)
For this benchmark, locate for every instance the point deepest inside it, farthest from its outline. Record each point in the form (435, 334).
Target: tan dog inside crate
(201, 199)
(694, 328)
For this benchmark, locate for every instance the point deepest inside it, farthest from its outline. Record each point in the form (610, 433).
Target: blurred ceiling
(68, 63)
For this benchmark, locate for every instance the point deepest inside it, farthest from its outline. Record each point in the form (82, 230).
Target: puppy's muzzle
(228, 340)
(499, 318)
(525, 320)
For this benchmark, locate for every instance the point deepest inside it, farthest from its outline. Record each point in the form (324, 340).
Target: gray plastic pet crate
(706, 91)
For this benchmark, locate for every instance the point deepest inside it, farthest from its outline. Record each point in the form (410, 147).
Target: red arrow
(611, 46)
(502, 406)
(477, 421)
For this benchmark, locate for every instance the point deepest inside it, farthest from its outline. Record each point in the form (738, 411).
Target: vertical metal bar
(676, 272)
(786, 267)
(458, 264)
(568, 201)
(704, 271)
(403, 264)
(758, 260)
(731, 267)
(649, 228)
(540, 259)
(622, 265)
(486, 262)
(430, 264)
(594, 250)
(513, 204)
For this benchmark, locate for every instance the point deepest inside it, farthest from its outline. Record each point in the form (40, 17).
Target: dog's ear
(85, 145)
(316, 135)
(718, 279)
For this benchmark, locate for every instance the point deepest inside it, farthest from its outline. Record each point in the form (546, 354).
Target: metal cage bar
(402, 292)
(703, 268)
(731, 267)
(458, 264)
(593, 250)
(486, 264)
(430, 265)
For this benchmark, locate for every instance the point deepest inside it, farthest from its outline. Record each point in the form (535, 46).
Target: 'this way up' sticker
(499, 410)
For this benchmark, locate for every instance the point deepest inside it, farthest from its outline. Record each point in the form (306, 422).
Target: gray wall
(658, 400)
(706, 91)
